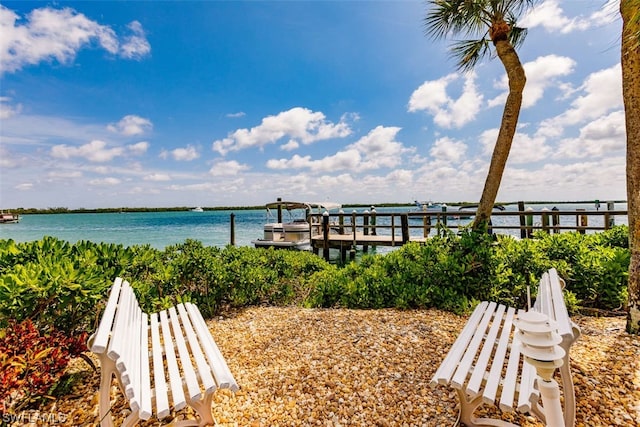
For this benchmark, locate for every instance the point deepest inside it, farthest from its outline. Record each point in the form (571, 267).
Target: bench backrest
(550, 301)
(123, 334)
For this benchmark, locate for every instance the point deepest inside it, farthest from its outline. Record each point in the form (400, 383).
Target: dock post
(444, 217)
(365, 230)
(555, 219)
(341, 221)
(325, 234)
(233, 229)
(523, 230)
(582, 221)
(426, 224)
(609, 219)
(545, 220)
(352, 252)
(279, 199)
(529, 218)
(373, 221)
(404, 225)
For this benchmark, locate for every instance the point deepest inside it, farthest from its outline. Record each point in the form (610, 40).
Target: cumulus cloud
(448, 150)
(552, 18)
(599, 94)
(299, 124)
(138, 148)
(541, 75)
(131, 125)
(231, 167)
(448, 112)
(378, 149)
(601, 137)
(94, 151)
(58, 34)
(185, 154)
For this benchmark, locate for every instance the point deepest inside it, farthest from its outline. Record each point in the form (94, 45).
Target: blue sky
(109, 104)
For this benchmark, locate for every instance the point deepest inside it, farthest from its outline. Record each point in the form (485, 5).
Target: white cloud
(602, 137)
(235, 115)
(131, 125)
(552, 18)
(541, 75)
(602, 93)
(24, 186)
(448, 150)
(110, 181)
(95, 151)
(135, 46)
(182, 154)
(157, 177)
(448, 112)
(378, 149)
(6, 109)
(231, 167)
(138, 148)
(58, 34)
(299, 124)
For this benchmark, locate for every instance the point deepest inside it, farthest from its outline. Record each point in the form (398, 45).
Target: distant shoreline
(63, 210)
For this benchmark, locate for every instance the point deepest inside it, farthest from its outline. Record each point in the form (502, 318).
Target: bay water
(213, 228)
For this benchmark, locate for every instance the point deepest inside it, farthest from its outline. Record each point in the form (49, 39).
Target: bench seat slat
(193, 388)
(145, 379)
(175, 380)
(507, 396)
(495, 374)
(450, 362)
(203, 368)
(465, 364)
(480, 368)
(221, 371)
(159, 380)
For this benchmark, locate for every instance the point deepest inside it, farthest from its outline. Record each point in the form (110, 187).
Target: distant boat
(9, 218)
(197, 209)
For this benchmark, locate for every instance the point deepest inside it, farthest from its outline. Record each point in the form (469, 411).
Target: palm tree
(630, 61)
(486, 22)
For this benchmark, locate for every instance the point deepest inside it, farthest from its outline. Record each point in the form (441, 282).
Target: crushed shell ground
(335, 367)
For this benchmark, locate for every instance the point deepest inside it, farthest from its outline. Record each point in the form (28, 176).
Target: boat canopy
(304, 205)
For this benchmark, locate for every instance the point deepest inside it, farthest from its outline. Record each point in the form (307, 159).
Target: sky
(235, 103)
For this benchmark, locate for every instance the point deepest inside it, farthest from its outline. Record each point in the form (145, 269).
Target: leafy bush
(31, 361)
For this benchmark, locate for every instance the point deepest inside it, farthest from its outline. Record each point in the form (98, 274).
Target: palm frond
(517, 36)
(469, 52)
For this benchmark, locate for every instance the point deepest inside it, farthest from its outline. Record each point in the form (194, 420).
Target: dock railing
(370, 228)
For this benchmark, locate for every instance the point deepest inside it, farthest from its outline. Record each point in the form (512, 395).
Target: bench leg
(469, 406)
(202, 407)
(568, 393)
(107, 372)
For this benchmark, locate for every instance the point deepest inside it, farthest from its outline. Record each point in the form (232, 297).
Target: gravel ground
(336, 367)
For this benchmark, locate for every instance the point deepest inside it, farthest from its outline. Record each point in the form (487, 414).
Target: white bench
(485, 365)
(153, 356)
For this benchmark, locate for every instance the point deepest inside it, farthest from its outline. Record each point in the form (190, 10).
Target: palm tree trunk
(630, 60)
(517, 80)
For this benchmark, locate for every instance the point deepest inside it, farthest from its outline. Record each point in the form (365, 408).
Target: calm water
(160, 229)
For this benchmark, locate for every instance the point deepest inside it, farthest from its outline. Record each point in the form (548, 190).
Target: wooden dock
(346, 232)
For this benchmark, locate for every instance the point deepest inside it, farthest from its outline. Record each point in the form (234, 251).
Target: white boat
(295, 231)
(9, 218)
(197, 209)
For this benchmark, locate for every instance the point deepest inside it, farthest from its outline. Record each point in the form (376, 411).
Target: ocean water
(161, 229)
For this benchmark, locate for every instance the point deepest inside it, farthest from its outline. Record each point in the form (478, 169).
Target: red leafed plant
(31, 361)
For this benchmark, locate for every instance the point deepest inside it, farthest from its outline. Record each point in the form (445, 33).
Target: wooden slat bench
(485, 365)
(162, 361)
